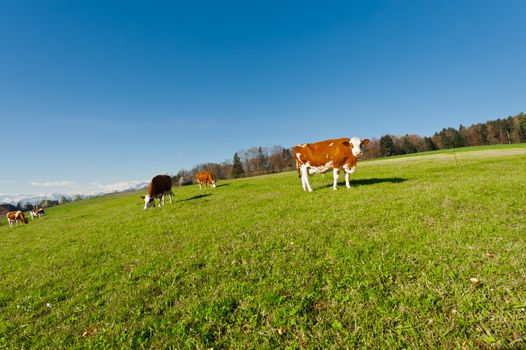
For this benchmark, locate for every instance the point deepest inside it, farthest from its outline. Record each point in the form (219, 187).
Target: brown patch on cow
(17, 215)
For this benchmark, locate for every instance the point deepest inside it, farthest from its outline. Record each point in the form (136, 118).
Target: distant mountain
(28, 201)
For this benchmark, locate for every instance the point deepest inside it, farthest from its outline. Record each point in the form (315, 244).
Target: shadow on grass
(374, 181)
(222, 185)
(195, 197)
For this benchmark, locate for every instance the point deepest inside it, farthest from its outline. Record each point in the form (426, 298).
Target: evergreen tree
(447, 141)
(286, 155)
(484, 134)
(522, 130)
(507, 128)
(262, 161)
(458, 139)
(237, 167)
(429, 144)
(387, 147)
(407, 145)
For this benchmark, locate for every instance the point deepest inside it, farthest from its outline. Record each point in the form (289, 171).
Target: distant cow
(333, 154)
(16, 216)
(205, 177)
(160, 186)
(37, 212)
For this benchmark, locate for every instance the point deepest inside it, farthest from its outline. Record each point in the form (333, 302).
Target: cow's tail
(298, 168)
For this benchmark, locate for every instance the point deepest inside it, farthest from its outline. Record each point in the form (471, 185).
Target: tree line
(262, 160)
(501, 131)
(248, 162)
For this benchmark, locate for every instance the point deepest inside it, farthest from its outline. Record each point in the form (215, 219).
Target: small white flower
(48, 305)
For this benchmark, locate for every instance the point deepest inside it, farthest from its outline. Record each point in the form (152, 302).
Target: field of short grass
(258, 263)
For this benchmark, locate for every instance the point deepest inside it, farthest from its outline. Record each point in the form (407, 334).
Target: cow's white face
(148, 202)
(357, 146)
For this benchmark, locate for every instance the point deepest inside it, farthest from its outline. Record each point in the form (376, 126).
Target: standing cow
(323, 156)
(16, 216)
(205, 177)
(37, 212)
(160, 186)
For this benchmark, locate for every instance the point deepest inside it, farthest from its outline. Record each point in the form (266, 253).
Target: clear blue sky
(110, 91)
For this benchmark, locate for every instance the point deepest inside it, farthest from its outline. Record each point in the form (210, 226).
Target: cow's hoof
(334, 188)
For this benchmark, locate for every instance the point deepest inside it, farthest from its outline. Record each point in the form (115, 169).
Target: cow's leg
(335, 174)
(305, 178)
(200, 187)
(171, 194)
(10, 222)
(301, 170)
(347, 173)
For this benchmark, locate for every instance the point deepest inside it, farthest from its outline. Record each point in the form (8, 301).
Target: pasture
(258, 263)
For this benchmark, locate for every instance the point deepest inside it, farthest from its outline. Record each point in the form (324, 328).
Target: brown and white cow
(37, 212)
(335, 154)
(205, 177)
(16, 216)
(160, 186)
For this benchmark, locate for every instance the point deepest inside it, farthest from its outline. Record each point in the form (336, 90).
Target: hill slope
(258, 263)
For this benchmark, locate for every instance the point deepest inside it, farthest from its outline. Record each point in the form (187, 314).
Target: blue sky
(94, 94)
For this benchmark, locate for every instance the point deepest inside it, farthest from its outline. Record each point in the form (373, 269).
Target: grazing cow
(15, 216)
(37, 212)
(160, 186)
(333, 154)
(205, 177)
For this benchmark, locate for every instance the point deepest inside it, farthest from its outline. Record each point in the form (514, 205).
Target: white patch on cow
(347, 170)
(148, 202)
(298, 156)
(213, 183)
(320, 169)
(331, 144)
(305, 177)
(335, 174)
(303, 145)
(169, 193)
(347, 183)
(356, 149)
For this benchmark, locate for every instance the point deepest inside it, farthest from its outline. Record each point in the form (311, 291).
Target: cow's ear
(142, 197)
(365, 142)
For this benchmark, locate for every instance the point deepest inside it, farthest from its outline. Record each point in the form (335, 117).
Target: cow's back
(159, 185)
(322, 152)
(205, 176)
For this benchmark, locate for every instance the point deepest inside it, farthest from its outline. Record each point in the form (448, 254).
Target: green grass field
(258, 263)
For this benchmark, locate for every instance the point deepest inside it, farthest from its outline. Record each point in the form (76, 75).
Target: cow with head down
(37, 212)
(205, 178)
(13, 217)
(335, 154)
(160, 186)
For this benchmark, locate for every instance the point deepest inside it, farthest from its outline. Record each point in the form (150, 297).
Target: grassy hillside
(258, 263)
